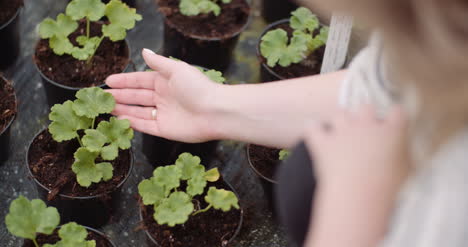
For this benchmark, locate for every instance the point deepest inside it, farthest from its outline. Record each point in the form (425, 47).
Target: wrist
(216, 112)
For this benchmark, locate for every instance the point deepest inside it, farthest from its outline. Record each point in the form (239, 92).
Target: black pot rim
(78, 88)
(259, 54)
(120, 185)
(12, 18)
(255, 169)
(237, 33)
(239, 227)
(16, 107)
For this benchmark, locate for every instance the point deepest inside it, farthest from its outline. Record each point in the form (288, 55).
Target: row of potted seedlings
(81, 161)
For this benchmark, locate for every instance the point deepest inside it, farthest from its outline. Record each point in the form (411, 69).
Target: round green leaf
(174, 210)
(222, 199)
(91, 102)
(91, 9)
(65, 122)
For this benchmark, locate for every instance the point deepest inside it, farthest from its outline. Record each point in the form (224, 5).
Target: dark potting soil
(54, 238)
(110, 58)
(309, 66)
(213, 228)
(265, 160)
(7, 104)
(8, 9)
(232, 19)
(51, 162)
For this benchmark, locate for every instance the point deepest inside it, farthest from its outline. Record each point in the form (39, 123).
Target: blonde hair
(426, 43)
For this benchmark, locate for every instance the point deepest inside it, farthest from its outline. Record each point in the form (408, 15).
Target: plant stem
(79, 140)
(88, 24)
(203, 210)
(92, 125)
(88, 62)
(35, 243)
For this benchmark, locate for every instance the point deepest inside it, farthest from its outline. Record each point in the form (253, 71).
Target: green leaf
(118, 134)
(73, 235)
(284, 154)
(65, 122)
(303, 19)
(87, 171)
(63, 27)
(169, 176)
(90, 9)
(319, 40)
(88, 49)
(90, 102)
(121, 17)
(94, 140)
(196, 7)
(189, 165)
(273, 46)
(174, 210)
(212, 175)
(151, 191)
(60, 45)
(196, 185)
(26, 218)
(215, 76)
(222, 199)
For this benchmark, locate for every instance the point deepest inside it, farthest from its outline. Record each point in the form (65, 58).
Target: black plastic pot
(152, 242)
(57, 93)
(268, 184)
(266, 73)
(89, 229)
(9, 41)
(162, 152)
(212, 53)
(5, 136)
(94, 211)
(273, 10)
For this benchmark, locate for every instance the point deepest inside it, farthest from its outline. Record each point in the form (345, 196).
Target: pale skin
(191, 108)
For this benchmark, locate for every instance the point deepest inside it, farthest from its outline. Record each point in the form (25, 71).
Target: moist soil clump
(54, 238)
(212, 228)
(309, 66)
(7, 104)
(265, 160)
(230, 21)
(8, 9)
(110, 58)
(50, 163)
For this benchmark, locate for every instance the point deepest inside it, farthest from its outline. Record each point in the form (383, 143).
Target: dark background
(259, 229)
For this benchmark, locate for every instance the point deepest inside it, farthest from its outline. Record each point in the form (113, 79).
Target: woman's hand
(360, 162)
(180, 94)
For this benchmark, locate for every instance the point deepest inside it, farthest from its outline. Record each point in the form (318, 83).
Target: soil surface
(265, 160)
(213, 228)
(51, 162)
(232, 19)
(8, 9)
(7, 104)
(110, 58)
(309, 66)
(54, 238)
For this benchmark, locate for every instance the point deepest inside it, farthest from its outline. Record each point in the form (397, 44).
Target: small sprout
(196, 7)
(103, 141)
(28, 218)
(284, 154)
(72, 234)
(121, 18)
(277, 48)
(174, 206)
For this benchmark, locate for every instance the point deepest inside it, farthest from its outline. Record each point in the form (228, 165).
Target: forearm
(275, 114)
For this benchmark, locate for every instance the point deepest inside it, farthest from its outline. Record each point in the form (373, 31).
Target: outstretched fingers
(145, 113)
(161, 64)
(136, 80)
(149, 127)
(142, 97)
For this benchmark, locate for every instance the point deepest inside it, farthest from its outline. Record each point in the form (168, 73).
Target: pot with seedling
(77, 50)
(8, 109)
(203, 32)
(161, 151)
(81, 161)
(38, 224)
(265, 162)
(9, 32)
(131, 3)
(273, 10)
(292, 47)
(185, 205)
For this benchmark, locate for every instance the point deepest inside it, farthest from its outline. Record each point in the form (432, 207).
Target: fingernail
(148, 51)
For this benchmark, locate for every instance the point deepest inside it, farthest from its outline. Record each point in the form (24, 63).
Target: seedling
(284, 154)
(196, 7)
(174, 205)
(277, 48)
(121, 18)
(98, 143)
(28, 218)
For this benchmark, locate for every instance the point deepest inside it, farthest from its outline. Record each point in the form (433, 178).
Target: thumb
(159, 63)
